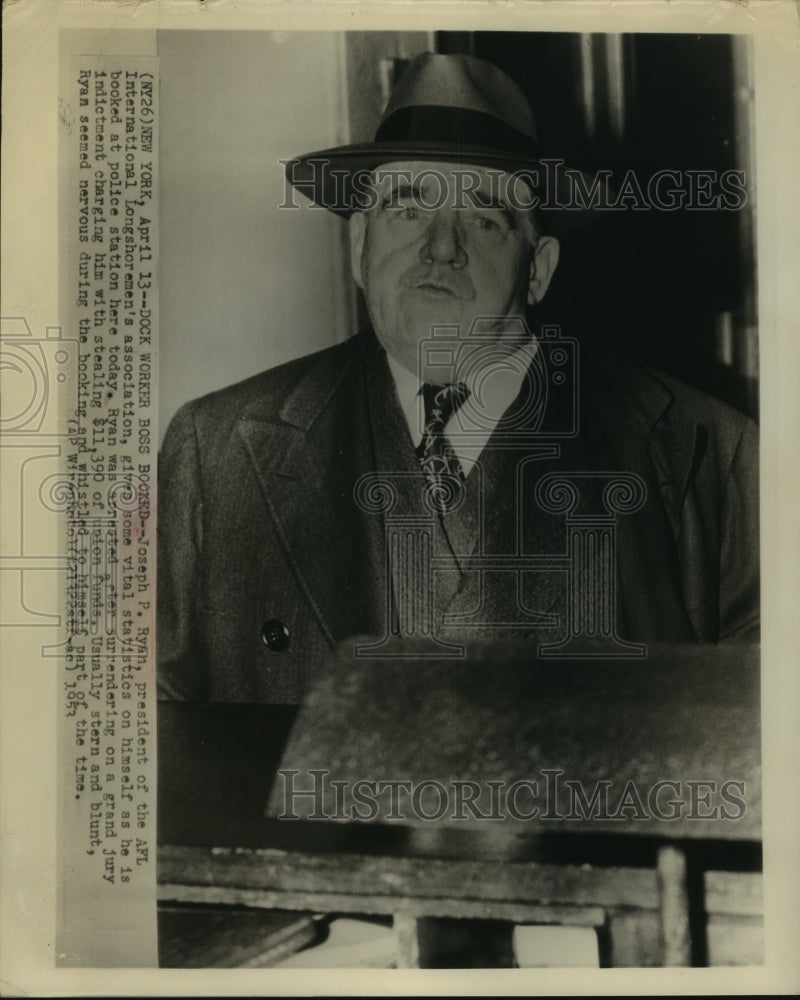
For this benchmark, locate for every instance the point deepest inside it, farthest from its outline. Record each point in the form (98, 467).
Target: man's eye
(401, 209)
(487, 223)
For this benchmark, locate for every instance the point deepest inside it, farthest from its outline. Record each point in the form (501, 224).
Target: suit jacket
(264, 516)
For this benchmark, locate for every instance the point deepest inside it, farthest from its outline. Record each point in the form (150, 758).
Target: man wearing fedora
(426, 477)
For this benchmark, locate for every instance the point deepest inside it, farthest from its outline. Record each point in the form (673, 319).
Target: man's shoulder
(695, 403)
(264, 395)
(657, 398)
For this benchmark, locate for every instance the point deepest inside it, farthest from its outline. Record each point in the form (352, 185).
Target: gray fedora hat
(449, 108)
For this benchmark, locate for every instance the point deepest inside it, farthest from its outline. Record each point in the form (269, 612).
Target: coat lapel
(626, 425)
(308, 462)
(630, 424)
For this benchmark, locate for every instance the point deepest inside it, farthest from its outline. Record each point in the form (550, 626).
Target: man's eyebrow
(402, 191)
(496, 204)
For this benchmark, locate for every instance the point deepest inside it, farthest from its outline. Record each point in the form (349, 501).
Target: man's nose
(444, 241)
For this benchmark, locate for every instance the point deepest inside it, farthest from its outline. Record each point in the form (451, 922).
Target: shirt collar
(408, 386)
(498, 391)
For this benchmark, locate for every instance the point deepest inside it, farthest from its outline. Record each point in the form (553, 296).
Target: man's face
(444, 244)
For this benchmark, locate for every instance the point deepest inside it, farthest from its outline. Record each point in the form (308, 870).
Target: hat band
(437, 123)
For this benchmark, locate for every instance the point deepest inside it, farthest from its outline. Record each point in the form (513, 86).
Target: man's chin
(424, 318)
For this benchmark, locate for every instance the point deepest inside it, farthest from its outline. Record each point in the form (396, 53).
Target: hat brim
(330, 177)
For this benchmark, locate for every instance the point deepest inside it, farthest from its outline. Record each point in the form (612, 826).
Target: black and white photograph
(406, 440)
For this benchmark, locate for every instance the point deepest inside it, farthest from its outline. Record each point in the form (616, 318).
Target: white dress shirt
(471, 427)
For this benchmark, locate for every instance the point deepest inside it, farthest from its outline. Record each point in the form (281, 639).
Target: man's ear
(358, 234)
(544, 261)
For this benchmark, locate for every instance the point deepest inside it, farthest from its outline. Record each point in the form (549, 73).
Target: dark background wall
(675, 287)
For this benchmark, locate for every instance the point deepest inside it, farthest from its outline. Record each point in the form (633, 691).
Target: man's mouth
(435, 288)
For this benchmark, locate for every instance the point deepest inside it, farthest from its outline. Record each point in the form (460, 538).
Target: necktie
(435, 453)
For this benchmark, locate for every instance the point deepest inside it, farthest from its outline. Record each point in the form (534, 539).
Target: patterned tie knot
(442, 401)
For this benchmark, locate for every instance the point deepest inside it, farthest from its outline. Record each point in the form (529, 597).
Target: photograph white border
(29, 694)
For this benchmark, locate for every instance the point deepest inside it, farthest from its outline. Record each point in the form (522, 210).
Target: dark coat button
(275, 635)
